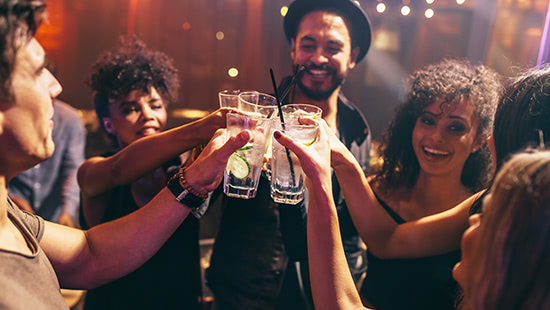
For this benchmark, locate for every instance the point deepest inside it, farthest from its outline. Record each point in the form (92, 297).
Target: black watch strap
(184, 195)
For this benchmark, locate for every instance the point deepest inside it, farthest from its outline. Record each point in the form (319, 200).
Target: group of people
(441, 232)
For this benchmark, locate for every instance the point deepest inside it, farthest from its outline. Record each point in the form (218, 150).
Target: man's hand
(206, 172)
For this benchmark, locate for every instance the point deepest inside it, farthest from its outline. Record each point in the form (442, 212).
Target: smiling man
(250, 268)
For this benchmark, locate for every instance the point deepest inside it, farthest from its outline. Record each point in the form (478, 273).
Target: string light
(220, 35)
(380, 8)
(405, 10)
(429, 13)
(430, 1)
(284, 10)
(233, 72)
(459, 2)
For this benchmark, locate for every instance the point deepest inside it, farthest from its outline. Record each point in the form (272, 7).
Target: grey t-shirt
(28, 282)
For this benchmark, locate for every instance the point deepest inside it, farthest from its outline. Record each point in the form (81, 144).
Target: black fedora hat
(353, 14)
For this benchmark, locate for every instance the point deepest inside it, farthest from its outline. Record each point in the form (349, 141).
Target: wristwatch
(185, 193)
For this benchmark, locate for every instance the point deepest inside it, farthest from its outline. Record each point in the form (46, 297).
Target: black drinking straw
(299, 70)
(282, 123)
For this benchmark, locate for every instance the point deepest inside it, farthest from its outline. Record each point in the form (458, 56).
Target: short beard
(318, 95)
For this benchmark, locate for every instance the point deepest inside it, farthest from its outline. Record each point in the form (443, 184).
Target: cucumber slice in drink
(238, 166)
(246, 147)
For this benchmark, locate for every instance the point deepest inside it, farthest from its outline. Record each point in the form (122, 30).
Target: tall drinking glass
(229, 98)
(243, 170)
(287, 179)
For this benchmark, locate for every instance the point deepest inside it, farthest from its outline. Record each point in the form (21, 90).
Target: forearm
(331, 282)
(373, 223)
(111, 250)
(98, 175)
(383, 236)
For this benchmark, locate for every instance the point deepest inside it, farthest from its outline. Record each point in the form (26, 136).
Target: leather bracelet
(184, 192)
(183, 182)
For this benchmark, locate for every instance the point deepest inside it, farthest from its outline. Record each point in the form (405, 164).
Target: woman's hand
(208, 125)
(315, 158)
(206, 172)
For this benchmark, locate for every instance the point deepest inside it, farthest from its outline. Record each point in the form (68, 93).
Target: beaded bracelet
(185, 185)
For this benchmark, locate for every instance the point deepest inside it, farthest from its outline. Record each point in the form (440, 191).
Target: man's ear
(353, 57)
(108, 125)
(292, 46)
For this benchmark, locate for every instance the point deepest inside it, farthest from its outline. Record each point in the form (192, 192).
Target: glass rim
(274, 105)
(303, 104)
(234, 92)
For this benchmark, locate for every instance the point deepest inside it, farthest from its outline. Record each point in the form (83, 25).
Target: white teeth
(148, 131)
(436, 152)
(318, 72)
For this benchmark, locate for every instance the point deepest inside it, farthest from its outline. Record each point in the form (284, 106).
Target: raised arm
(100, 174)
(111, 250)
(331, 282)
(383, 236)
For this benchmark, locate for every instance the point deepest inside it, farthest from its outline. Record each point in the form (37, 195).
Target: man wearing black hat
(249, 268)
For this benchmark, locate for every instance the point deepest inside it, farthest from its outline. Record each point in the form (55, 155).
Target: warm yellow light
(406, 2)
(357, 3)
(380, 8)
(405, 10)
(284, 10)
(233, 72)
(429, 13)
(188, 113)
(220, 35)
(430, 1)
(460, 1)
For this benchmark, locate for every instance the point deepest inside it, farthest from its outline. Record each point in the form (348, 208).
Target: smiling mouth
(319, 73)
(148, 131)
(434, 152)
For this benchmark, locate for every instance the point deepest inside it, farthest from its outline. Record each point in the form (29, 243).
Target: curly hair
(131, 66)
(449, 81)
(19, 20)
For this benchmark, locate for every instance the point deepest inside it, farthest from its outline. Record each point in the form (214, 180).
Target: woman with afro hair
(132, 86)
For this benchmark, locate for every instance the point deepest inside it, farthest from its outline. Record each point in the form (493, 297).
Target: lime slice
(238, 166)
(246, 147)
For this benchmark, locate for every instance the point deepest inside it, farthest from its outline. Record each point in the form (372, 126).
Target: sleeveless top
(410, 283)
(28, 281)
(171, 279)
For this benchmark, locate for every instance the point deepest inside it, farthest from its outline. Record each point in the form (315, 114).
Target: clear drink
(287, 177)
(243, 169)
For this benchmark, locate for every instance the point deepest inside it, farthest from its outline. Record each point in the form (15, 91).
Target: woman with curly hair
(507, 269)
(435, 156)
(132, 86)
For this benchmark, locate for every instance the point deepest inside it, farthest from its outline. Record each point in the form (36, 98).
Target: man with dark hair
(249, 268)
(36, 256)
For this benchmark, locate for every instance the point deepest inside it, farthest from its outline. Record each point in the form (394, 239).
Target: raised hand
(206, 172)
